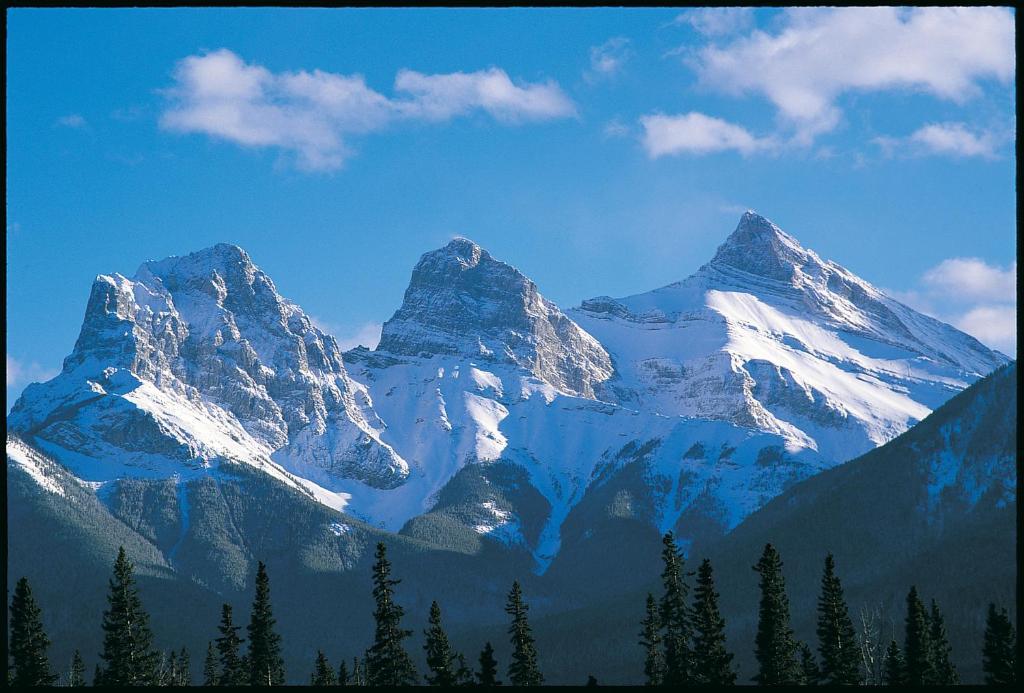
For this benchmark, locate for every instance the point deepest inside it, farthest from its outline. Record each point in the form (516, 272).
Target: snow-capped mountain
(700, 401)
(770, 336)
(195, 360)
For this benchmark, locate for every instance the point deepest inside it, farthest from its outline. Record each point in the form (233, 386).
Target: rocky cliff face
(198, 358)
(770, 336)
(461, 301)
(699, 402)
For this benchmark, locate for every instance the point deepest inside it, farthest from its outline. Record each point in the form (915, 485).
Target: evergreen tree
(210, 675)
(917, 650)
(168, 669)
(387, 662)
(440, 658)
(343, 674)
(127, 641)
(674, 615)
(358, 672)
(894, 669)
(77, 677)
(943, 671)
(488, 673)
(266, 667)
(712, 663)
(232, 669)
(97, 676)
(28, 642)
(810, 673)
(775, 647)
(463, 674)
(650, 640)
(184, 668)
(523, 670)
(323, 674)
(999, 654)
(837, 638)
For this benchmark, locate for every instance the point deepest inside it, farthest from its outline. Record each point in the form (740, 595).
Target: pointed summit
(462, 301)
(758, 246)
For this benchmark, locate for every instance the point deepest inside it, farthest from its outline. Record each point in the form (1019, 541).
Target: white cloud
(971, 278)
(696, 133)
(74, 121)
(311, 114)
(974, 296)
(367, 334)
(614, 128)
(993, 325)
(608, 59)
(718, 21)
(955, 139)
(946, 139)
(821, 53)
(440, 97)
(21, 373)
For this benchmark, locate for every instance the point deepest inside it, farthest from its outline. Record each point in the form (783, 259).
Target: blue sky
(601, 151)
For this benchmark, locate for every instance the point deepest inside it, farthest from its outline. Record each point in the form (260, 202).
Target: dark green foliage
(837, 639)
(28, 642)
(463, 674)
(674, 615)
(523, 670)
(97, 676)
(128, 656)
(712, 663)
(487, 675)
(775, 647)
(358, 672)
(167, 670)
(943, 671)
(999, 653)
(387, 662)
(323, 674)
(76, 678)
(210, 675)
(184, 677)
(440, 658)
(917, 649)
(894, 668)
(233, 671)
(343, 675)
(809, 670)
(650, 640)
(592, 680)
(266, 667)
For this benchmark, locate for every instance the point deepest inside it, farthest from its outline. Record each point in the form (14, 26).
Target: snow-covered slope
(768, 335)
(198, 359)
(702, 400)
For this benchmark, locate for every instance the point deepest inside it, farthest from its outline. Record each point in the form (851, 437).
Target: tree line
(683, 640)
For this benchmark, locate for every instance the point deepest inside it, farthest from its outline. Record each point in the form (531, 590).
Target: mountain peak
(758, 246)
(461, 301)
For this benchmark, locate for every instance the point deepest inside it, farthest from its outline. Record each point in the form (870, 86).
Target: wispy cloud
(348, 337)
(20, 373)
(75, 121)
(608, 59)
(717, 21)
(952, 139)
(696, 133)
(311, 115)
(819, 54)
(978, 298)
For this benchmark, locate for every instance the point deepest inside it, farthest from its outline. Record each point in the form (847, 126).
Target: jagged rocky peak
(462, 301)
(760, 247)
(209, 332)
